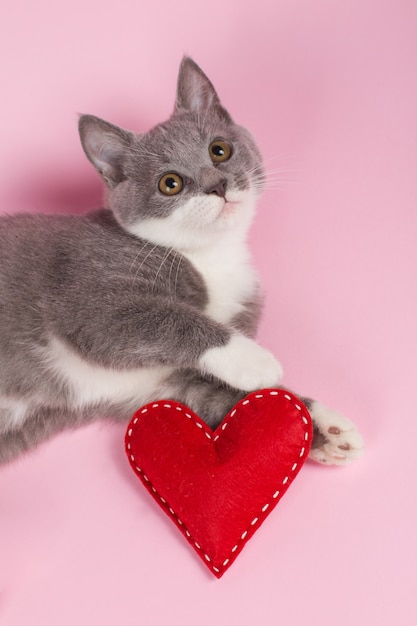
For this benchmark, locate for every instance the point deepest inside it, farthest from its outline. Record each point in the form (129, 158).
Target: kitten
(154, 297)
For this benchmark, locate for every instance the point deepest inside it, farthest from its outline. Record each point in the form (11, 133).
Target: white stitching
(209, 436)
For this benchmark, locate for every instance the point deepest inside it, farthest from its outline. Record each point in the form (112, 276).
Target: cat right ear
(105, 146)
(195, 92)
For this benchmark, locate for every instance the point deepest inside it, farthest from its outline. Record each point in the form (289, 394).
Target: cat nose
(219, 188)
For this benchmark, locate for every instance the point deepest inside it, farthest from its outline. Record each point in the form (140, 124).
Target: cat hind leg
(39, 426)
(210, 399)
(336, 440)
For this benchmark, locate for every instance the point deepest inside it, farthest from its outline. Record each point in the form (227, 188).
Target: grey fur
(112, 298)
(116, 300)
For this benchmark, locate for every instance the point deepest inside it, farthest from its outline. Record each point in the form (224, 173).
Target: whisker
(279, 170)
(266, 162)
(274, 179)
(277, 181)
(170, 272)
(142, 263)
(164, 258)
(177, 274)
(275, 185)
(137, 255)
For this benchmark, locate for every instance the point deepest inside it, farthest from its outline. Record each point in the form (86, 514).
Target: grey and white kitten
(153, 297)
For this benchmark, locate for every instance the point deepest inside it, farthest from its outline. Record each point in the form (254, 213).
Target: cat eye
(170, 184)
(220, 151)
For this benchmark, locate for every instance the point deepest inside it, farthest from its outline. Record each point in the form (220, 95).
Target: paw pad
(337, 441)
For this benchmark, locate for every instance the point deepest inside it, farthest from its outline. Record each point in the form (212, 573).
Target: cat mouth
(229, 208)
(228, 213)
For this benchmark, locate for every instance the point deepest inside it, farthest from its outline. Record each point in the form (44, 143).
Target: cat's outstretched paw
(242, 364)
(336, 440)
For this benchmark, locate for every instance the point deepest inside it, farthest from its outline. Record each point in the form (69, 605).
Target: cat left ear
(195, 92)
(105, 146)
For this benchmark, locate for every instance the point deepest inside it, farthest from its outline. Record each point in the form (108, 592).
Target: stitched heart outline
(219, 486)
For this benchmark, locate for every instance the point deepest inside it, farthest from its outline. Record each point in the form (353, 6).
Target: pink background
(330, 91)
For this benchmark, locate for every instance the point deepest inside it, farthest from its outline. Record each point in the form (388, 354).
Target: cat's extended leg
(336, 440)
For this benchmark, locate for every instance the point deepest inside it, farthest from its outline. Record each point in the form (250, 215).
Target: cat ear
(105, 146)
(195, 92)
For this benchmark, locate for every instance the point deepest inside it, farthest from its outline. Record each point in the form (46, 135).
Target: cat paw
(336, 440)
(242, 364)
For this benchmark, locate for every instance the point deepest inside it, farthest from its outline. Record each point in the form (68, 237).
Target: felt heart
(219, 486)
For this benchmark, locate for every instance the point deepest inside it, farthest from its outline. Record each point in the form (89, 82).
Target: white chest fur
(229, 278)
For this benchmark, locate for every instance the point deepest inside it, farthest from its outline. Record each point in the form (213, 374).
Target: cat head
(187, 181)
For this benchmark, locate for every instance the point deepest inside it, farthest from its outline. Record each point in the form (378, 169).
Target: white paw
(242, 364)
(339, 441)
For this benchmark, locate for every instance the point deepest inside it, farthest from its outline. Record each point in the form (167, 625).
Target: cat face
(186, 181)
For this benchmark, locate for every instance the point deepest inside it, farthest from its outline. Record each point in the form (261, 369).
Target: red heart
(219, 486)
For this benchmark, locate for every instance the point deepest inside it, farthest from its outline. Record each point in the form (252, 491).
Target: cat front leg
(242, 364)
(159, 332)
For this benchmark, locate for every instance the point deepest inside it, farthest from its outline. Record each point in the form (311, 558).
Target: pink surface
(330, 91)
